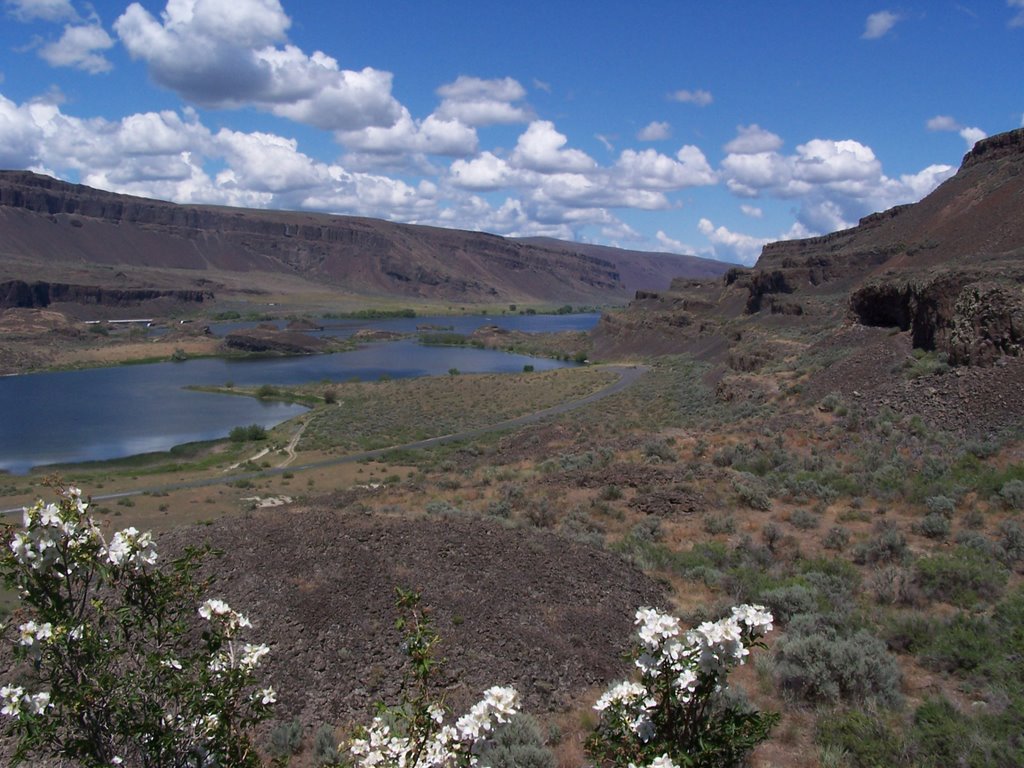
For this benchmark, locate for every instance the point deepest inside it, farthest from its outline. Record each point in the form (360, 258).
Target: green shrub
(658, 450)
(439, 507)
(752, 493)
(820, 668)
(325, 747)
(941, 736)
(610, 493)
(718, 523)
(960, 645)
(888, 546)
(837, 538)
(804, 520)
(1011, 542)
(518, 743)
(245, 434)
(962, 578)
(1012, 494)
(648, 529)
(935, 525)
(265, 391)
(805, 488)
(940, 505)
(787, 602)
(286, 738)
(863, 738)
(499, 508)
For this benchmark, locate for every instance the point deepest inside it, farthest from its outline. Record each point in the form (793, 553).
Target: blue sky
(693, 127)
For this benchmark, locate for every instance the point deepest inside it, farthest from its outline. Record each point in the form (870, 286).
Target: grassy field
(380, 414)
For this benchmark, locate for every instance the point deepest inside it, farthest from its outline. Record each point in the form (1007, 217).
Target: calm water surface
(105, 413)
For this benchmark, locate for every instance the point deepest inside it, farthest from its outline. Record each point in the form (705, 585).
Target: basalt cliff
(948, 271)
(51, 230)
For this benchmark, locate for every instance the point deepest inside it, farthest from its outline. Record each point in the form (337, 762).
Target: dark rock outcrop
(37, 295)
(271, 340)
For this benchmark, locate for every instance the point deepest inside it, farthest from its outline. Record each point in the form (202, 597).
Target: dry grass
(387, 413)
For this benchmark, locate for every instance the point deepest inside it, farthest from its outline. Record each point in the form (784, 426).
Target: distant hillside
(49, 229)
(949, 269)
(640, 270)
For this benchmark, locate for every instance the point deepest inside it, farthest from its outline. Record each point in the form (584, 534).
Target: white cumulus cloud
(233, 53)
(486, 172)
(655, 131)
(879, 24)
(432, 135)
(836, 182)
(474, 101)
(698, 97)
(970, 134)
(542, 148)
(78, 47)
(672, 245)
(648, 169)
(752, 139)
(744, 248)
(47, 10)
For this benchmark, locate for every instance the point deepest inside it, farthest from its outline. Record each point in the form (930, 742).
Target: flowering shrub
(676, 715)
(413, 734)
(114, 671)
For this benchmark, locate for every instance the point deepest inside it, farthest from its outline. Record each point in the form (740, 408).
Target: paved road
(628, 376)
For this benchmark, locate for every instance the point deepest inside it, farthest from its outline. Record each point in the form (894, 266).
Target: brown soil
(522, 607)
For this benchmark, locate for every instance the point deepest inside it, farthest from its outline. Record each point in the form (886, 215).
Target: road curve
(628, 376)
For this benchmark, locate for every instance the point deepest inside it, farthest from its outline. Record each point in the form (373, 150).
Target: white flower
(643, 727)
(229, 620)
(49, 516)
(28, 633)
(756, 617)
(620, 693)
(655, 627)
(502, 701)
(130, 546)
(662, 762)
(251, 655)
(214, 607)
(10, 696)
(171, 663)
(38, 703)
(472, 724)
(686, 682)
(267, 696)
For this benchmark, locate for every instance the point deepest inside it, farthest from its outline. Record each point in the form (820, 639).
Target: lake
(106, 413)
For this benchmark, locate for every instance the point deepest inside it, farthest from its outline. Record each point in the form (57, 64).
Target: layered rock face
(949, 269)
(40, 294)
(53, 221)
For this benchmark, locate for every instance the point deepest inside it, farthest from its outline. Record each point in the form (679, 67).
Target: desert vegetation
(888, 548)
